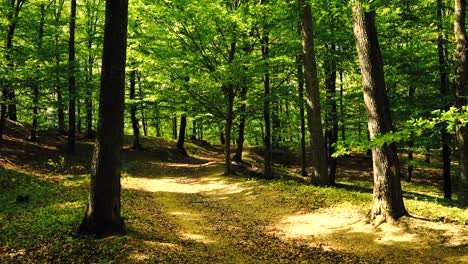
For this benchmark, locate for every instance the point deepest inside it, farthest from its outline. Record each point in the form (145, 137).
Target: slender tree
(181, 140)
(33, 136)
(71, 80)
(319, 154)
(387, 202)
(461, 91)
(133, 111)
(445, 93)
(103, 212)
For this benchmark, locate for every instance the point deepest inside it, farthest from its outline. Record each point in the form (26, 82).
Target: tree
(461, 91)
(445, 93)
(133, 110)
(319, 154)
(71, 80)
(181, 140)
(387, 202)
(103, 212)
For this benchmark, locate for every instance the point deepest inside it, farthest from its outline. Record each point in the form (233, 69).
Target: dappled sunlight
(197, 237)
(347, 230)
(183, 185)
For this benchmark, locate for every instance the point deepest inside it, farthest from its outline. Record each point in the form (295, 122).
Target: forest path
(192, 213)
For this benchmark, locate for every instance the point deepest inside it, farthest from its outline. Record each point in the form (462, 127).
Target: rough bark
(103, 212)
(461, 91)
(71, 80)
(318, 149)
(387, 202)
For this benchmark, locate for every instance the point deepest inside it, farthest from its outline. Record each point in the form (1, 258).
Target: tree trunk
(133, 110)
(268, 159)
(410, 142)
(71, 80)
(319, 154)
(332, 116)
(241, 137)
(229, 91)
(300, 77)
(387, 203)
(33, 136)
(180, 142)
(445, 93)
(174, 127)
(103, 213)
(461, 91)
(342, 113)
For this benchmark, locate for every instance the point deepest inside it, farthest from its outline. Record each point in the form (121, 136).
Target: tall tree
(461, 91)
(103, 212)
(57, 13)
(444, 87)
(387, 202)
(71, 80)
(33, 136)
(133, 111)
(319, 154)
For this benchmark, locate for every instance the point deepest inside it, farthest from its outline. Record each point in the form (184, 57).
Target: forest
(233, 131)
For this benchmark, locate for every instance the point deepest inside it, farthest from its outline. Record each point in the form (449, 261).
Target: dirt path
(191, 213)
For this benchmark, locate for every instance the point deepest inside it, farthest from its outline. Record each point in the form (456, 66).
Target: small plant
(57, 165)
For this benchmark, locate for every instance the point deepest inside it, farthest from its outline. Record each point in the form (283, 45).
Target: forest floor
(183, 210)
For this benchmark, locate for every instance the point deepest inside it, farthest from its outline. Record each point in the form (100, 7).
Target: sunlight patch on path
(183, 185)
(343, 221)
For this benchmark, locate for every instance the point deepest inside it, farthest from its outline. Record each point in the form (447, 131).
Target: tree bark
(229, 93)
(133, 110)
(461, 91)
(387, 203)
(103, 213)
(71, 80)
(174, 127)
(300, 77)
(241, 137)
(319, 154)
(267, 158)
(181, 141)
(445, 93)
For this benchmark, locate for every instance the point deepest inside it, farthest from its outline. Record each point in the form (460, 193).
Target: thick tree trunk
(71, 80)
(387, 203)
(319, 151)
(461, 90)
(103, 213)
(133, 110)
(300, 77)
(445, 93)
(181, 141)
